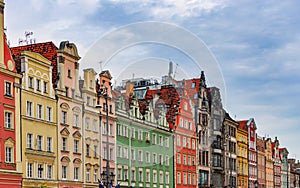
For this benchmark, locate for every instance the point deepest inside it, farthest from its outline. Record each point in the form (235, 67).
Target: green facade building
(144, 147)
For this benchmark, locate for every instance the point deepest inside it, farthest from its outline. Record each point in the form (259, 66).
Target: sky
(255, 45)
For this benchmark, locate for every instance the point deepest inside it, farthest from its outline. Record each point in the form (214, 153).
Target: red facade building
(9, 122)
(185, 144)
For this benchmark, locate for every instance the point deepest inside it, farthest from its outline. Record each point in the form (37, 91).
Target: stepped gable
(46, 49)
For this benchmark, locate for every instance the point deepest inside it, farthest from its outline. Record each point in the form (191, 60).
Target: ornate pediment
(64, 106)
(77, 134)
(69, 48)
(65, 132)
(76, 109)
(65, 159)
(77, 161)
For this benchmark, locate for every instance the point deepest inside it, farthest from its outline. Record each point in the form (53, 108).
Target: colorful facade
(285, 168)
(145, 150)
(10, 157)
(230, 151)
(91, 130)
(242, 154)
(269, 164)
(277, 163)
(38, 121)
(261, 162)
(69, 110)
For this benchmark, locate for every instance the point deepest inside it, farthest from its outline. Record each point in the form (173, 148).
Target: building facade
(10, 157)
(145, 144)
(69, 112)
(216, 122)
(285, 168)
(277, 163)
(38, 121)
(261, 162)
(230, 150)
(269, 164)
(242, 154)
(91, 130)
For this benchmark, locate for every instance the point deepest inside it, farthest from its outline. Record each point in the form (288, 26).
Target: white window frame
(64, 172)
(9, 154)
(49, 114)
(8, 120)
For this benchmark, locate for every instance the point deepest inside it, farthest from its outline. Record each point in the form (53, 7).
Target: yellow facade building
(269, 164)
(242, 155)
(38, 122)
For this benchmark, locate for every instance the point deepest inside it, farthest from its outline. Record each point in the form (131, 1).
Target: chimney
(2, 34)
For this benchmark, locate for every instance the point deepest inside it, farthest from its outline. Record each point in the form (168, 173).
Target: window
(111, 129)
(184, 141)
(39, 110)
(140, 176)
(64, 144)
(69, 73)
(167, 142)
(49, 144)
(178, 158)
(178, 140)
(49, 171)
(184, 159)
(193, 144)
(29, 141)
(30, 82)
(119, 151)
(111, 152)
(76, 146)
(153, 138)
(45, 87)
(167, 160)
(154, 177)
(193, 84)
(119, 129)
(160, 159)
(95, 125)
(132, 133)
(140, 155)
(125, 174)
(125, 153)
(167, 178)
(8, 89)
(95, 175)
(147, 157)
(140, 134)
(8, 154)
(184, 178)
(76, 173)
(178, 178)
(125, 131)
(38, 85)
(48, 114)
(95, 151)
(119, 174)
(132, 153)
(39, 142)
(29, 108)
(161, 178)
(8, 120)
(64, 117)
(88, 100)
(76, 120)
(87, 123)
(154, 158)
(160, 141)
(67, 91)
(87, 150)
(64, 172)
(147, 176)
(40, 171)
(88, 174)
(29, 170)
(132, 175)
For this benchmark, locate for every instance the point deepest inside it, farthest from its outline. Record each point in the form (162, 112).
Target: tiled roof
(46, 49)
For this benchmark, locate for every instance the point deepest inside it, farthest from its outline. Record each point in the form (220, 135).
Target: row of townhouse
(58, 130)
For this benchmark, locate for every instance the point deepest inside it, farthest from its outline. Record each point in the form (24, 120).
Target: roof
(46, 49)
(243, 124)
